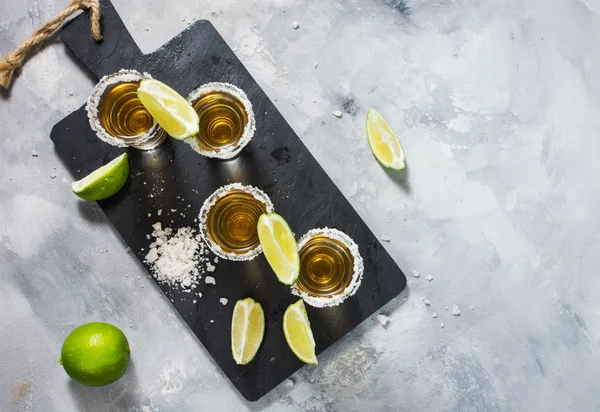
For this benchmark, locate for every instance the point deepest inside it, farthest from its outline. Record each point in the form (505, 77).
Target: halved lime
(247, 330)
(169, 109)
(280, 247)
(103, 182)
(298, 334)
(384, 142)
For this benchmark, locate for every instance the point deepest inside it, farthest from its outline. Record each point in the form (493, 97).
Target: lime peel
(105, 181)
(383, 142)
(170, 110)
(298, 334)
(244, 349)
(285, 263)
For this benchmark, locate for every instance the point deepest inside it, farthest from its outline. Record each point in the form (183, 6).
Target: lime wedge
(298, 334)
(169, 109)
(383, 141)
(280, 247)
(103, 182)
(247, 330)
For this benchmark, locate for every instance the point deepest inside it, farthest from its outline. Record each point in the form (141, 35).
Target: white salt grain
(456, 310)
(435, 315)
(416, 274)
(427, 302)
(384, 320)
(34, 153)
(295, 25)
(442, 325)
(385, 238)
(337, 113)
(223, 301)
(209, 280)
(429, 278)
(210, 267)
(159, 212)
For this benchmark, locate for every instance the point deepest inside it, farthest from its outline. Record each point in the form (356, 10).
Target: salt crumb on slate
(316, 65)
(223, 301)
(210, 267)
(209, 280)
(456, 310)
(384, 320)
(296, 25)
(52, 176)
(194, 301)
(159, 212)
(416, 273)
(337, 114)
(442, 325)
(435, 315)
(212, 321)
(447, 308)
(34, 153)
(176, 257)
(385, 238)
(427, 302)
(429, 278)
(472, 307)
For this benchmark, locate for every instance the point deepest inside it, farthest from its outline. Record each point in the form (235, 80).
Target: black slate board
(275, 160)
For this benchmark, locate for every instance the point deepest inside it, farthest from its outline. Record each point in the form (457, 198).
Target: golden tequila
(228, 221)
(117, 115)
(331, 268)
(326, 266)
(226, 120)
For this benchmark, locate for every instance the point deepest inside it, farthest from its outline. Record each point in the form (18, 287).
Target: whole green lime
(95, 354)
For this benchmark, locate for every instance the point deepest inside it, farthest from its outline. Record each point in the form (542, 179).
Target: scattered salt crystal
(316, 65)
(337, 114)
(212, 321)
(187, 282)
(288, 383)
(209, 280)
(385, 238)
(52, 176)
(159, 212)
(384, 320)
(157, 226)
(34, 153)
(210, 267)
(442, 325)
(148, 237)
(416, 274)
(456, 310)
(295, 25)
(447, 308)
(223, 301)
(427, 302)
(435, 315)
(173, 210)
(472, 307)
(149, 214)
(199, 294)
(429, 278)
(194, 301)
(216, 259)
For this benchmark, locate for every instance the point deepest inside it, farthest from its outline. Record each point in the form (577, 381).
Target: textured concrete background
(497, 106)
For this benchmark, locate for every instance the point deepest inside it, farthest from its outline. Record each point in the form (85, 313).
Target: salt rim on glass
(249, 128)
(93, 105)
(357, 270)
(212, 200)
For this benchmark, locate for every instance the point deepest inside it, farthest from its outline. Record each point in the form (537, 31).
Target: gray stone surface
(497, 106)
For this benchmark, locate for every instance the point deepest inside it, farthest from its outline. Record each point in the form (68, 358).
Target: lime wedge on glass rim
(280, 247)
(103, 182)
(170, 110)
(384, 143)
(247, 330)
(298, 334)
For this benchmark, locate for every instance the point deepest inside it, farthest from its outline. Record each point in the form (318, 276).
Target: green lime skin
(95, 354)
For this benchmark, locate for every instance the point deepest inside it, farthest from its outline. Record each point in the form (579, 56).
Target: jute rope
(15, 59)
